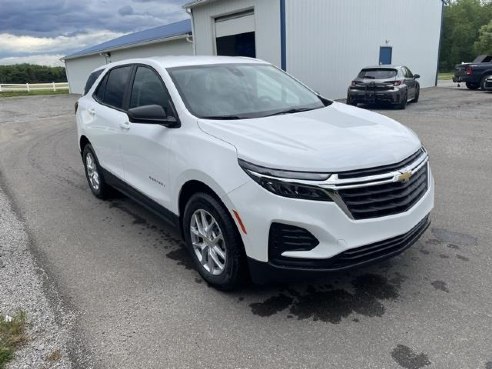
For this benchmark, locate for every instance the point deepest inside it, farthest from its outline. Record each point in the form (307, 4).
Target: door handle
(92, 112)
(125, 125)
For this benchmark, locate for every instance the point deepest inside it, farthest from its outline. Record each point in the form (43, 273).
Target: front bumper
(370, 96)
(338, 234)
(301, 269)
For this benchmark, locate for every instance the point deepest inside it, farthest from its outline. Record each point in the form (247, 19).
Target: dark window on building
(242, 44)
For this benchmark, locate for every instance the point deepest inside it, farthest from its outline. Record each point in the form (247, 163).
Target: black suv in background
(475, 74)
(392, 84)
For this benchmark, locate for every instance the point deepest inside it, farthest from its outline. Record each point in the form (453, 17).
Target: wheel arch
(83, 141)
(193, 186)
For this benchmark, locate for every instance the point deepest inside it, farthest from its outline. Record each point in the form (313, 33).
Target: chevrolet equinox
(262, 175)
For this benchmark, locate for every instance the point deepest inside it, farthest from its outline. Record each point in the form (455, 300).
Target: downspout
(283, 38)
(440, 40)
(190, 12)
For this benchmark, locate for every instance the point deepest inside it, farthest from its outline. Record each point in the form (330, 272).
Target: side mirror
(152, 114)
(416, 76)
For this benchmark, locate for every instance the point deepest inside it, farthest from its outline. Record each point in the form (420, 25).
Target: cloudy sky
(43, 31)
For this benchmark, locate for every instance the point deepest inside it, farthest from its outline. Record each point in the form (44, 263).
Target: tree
(462, 21)
(31, 73)
(484, 43)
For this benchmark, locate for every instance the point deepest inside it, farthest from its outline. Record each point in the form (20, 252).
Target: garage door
(235, 34)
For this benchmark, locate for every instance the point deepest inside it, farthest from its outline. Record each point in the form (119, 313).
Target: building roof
(161, 33)
(194, 3)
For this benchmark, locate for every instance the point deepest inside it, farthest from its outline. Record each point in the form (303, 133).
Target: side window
(148, 89)
(117, 80)
(101, 89)
(92, 78)
(408, 74)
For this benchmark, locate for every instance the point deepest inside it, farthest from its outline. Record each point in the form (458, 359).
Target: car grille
(362, 255)
(382, 169)
(385, 199)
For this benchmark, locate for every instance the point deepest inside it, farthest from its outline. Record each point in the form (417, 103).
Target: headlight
(287, 183)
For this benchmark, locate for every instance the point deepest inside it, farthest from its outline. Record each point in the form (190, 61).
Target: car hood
(332, 139)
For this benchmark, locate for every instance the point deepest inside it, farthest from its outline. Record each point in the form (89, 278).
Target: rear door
(107, 118)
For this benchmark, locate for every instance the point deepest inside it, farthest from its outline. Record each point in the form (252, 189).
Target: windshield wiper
(290, 111)
(223, 117)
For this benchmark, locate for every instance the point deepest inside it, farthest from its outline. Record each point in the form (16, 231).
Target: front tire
(93, 173)
(214, 242)
(482, 82)
(472, 86)
(417, 94)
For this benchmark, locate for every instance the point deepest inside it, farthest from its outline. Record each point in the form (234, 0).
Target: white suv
(261, 174)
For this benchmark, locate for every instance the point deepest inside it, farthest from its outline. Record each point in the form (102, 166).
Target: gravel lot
(137, 303)
(25, 286)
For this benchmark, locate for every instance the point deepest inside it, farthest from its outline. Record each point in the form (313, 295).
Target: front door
(145, 147)
(385, 54)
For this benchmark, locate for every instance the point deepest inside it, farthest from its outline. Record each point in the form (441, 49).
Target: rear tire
(94, 174)
(214, 242)
(472, 86)
(403, 103)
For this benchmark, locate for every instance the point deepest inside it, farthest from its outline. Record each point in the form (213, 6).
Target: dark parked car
(384, 83)
(475, 74)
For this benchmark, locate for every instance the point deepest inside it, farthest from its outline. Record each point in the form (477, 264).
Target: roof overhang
(127, 46)
(193, 4)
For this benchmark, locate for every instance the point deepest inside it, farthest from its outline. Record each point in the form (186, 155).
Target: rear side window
(148, 89)
(377, 73)
(111, 91)
(92, 78)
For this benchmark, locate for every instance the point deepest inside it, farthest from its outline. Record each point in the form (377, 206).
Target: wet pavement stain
(332, 305)
(453, 246)
(456, 238)
(182, 256)
(272, 305)
(488, 365)
(464, 258)
(440, 285)
(406, 358)
(137, 219)
(443, 256)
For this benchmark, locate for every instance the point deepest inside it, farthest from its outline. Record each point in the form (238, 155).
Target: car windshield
(377, 73)
(241, 91)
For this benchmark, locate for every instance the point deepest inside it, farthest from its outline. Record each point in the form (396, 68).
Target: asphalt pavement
(138, 303)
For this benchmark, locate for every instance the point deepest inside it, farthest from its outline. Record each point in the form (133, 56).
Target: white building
(171, 39)
(324, 43)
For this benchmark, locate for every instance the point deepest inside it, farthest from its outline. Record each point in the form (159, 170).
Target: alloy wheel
(208, 242)
(92, 173)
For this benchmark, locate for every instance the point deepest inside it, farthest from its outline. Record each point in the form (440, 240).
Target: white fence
(4, 87)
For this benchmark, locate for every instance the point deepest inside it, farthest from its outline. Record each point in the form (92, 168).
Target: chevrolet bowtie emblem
(404, 177)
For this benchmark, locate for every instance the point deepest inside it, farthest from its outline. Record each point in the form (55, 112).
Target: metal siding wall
(267, 23)
(79, 69)
(329, 41)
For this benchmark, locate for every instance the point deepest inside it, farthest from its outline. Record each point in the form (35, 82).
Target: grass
(12, 336)
(446, 76)
(32, 93)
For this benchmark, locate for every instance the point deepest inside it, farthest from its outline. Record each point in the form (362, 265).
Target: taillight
(354, 83)
(469, 71)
